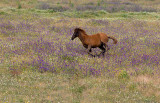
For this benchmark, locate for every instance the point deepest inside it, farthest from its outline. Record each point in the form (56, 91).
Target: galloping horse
(93, 41)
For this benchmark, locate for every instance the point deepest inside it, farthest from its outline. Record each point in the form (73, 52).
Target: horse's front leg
(89, 50)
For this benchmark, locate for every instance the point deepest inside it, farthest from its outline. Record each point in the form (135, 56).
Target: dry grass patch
(149, 86)
(147, 79)
(143, 79)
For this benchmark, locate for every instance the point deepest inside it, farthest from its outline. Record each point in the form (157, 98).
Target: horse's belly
(93, 45)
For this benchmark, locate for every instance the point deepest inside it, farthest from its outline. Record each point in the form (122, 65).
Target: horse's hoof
(93, 56)
(99, 55)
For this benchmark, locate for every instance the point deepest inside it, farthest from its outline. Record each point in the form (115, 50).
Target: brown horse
(92, 41)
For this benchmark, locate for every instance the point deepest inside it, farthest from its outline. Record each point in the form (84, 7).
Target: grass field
(40, 64)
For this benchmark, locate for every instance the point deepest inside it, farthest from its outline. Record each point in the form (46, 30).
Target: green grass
(26, 84)
(86, 14)
(48, 87)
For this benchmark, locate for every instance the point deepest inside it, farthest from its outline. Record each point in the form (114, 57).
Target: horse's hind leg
(103, 50)
(105, 45)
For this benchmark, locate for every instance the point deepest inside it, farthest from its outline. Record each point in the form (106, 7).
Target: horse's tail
(114, 39)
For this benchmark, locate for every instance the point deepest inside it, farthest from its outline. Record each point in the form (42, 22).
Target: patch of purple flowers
(52, 50)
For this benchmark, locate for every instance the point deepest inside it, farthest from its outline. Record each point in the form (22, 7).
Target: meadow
(39, 63)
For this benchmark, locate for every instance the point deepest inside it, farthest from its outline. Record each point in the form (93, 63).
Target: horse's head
(76, 33)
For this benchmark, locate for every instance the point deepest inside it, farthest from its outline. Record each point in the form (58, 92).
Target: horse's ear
(78, 29)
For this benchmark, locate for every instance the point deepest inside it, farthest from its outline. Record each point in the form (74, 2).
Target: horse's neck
(83, 37)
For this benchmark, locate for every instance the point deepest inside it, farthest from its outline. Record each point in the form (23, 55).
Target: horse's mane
(81, 30)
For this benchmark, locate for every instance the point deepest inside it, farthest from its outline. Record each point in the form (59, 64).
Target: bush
(123, 75)
(53, 8)
(86, 8)
(59, 8)
(43, 6)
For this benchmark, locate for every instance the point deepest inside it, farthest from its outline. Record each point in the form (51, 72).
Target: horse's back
(94, 40)
(99, 37)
